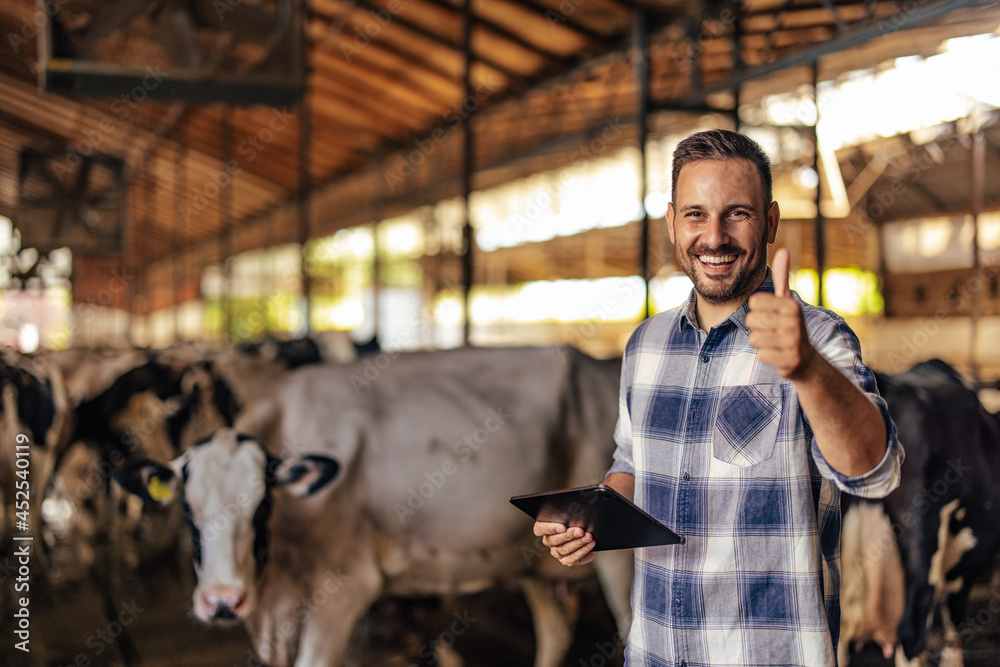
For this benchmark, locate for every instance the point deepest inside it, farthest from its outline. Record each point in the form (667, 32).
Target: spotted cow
(35, 414)
(942, 515)
(391, 477)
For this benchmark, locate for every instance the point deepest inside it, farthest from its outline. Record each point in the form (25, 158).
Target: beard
(724, 289)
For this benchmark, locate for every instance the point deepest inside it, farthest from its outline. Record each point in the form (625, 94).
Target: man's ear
(670, 222)
(155, 483)
(302, 476)
(773, 217)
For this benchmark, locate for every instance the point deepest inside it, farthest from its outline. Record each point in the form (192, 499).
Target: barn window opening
(848, 291)
(602, 192)
(36, 308)
(929, 244)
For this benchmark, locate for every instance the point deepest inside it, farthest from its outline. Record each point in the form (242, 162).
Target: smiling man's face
(720, 227)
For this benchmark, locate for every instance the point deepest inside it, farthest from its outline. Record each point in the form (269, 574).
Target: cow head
(225, 484)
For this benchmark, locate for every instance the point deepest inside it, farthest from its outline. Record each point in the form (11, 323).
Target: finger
(568, 542)
(779, 272)
(574, 552)
(765, 302)
(773, 340)
(759, 319)
(561, 539)
(542, 528)
(580, 556)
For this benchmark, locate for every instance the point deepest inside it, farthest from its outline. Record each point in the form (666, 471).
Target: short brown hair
(722, 145)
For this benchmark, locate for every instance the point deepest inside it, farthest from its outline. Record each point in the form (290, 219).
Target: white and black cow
(89, 371)
(132, 404)
(391, 476)
(35, 414)
(872, 589)
(943, 514)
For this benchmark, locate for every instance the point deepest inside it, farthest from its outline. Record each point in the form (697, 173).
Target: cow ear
(303, 476)
(151, 481)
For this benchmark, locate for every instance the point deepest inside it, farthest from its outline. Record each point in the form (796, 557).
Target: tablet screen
(613, 520)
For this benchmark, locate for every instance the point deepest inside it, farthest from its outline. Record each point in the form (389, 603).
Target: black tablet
(613, 520)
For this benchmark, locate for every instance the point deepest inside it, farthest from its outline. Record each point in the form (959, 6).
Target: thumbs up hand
(777, 327)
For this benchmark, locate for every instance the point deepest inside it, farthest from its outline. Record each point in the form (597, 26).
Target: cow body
(872, 586)
(34, 409)
(426, 449)
(943, 513)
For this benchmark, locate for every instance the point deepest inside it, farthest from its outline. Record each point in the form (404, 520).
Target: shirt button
(705, 358)
(687, 477)
(677, 602)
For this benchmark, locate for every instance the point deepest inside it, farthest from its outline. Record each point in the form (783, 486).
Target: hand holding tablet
(613, 520)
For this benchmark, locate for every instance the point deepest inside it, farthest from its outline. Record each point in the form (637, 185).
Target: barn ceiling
(926, 175)
(384, 104)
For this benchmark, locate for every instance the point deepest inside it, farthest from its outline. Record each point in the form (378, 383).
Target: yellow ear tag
(158, 490)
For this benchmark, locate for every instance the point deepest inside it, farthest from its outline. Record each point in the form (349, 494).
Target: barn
(201, 200)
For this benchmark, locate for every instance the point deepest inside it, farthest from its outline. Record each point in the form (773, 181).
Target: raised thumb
(779, 272)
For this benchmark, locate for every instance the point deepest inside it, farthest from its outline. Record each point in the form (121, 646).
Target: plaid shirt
(722, 453)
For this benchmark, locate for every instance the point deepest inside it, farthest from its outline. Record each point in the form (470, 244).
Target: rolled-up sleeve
(880, 480)
(623, 461)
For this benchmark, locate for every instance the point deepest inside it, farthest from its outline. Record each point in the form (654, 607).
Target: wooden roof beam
(502, 32)
(381, 85)
(400, 57)
(565, 20)
(400, 123)
(516, 80)
(901, 20)
(841, 25)
(74, 117)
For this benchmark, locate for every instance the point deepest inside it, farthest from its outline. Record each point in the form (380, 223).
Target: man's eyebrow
(729, 207)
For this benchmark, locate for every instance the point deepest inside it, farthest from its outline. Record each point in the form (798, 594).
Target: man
(744, 414)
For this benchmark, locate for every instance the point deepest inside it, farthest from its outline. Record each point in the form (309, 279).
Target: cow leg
(337, 602)
(916, 619)
(614, 572)
(901, 660)
(553, 629)
(447, 656)
(917, 547)
(276, 644)
(954, 607)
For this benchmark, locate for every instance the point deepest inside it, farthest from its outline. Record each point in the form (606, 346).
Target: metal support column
(818, 229)
(305, 187)
(180, 194)
(468, 152)
(378, 212)
(640, 71)
(976, 207)
(132, 262)
(738, 62)
(226, 225)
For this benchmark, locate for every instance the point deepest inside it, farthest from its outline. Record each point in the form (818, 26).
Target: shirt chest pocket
(746, 425)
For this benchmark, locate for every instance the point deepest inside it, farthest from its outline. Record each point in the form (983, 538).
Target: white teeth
(723, 259)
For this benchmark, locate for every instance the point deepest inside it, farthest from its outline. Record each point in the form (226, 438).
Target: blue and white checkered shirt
(722, 453)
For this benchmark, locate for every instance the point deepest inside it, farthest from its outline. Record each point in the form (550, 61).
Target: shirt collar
(739, 316)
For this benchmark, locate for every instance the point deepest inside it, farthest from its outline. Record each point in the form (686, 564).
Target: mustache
(724, 249)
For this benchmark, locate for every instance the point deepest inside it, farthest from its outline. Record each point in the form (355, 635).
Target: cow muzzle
(221, 605)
